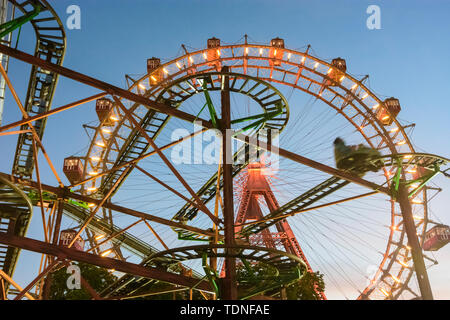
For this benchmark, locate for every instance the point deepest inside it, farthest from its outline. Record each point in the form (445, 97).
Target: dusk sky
(407, 58)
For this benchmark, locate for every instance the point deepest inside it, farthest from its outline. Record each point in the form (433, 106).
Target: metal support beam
(7, 278)
(104, 262)
(52, 112)
(37, 279)
(166, 161)
(113, 90)
(229, 289)
(413, 242)
(315, 165)
(64, 193)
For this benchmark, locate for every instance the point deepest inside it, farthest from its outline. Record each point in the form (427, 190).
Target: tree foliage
(309, 287)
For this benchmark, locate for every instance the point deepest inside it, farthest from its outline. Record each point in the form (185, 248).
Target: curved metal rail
(289, 267)
(16, 210)
(50, 46)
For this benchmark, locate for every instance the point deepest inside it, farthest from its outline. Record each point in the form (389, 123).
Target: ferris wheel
(154, 190)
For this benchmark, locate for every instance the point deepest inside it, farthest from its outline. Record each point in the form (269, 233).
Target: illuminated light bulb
(385, 117)
(105, 253)
(316, 65)
(178, 65)
(260, 52)
(408, 247)
(140, 85)
(275, 52)
(393, 130)
(100, 144)
(365, 96)
(105, 130)
(375, 106)
(329, 70)
(165, 71)
(342, 78)
(384, 292)
(114, 118)
(90, 205)
(414, 185)
(95, 158)
(101, 236)
(289, 55)
(218, 52)
(395, 279)
(401, 142)
(395, 228)
(355, 86)
(153, 78)
(417, 217)
(412, 171)
(246, 50)
(417, 201)
(403, 264)
(91, 189)
(408, 156)
(205, 56)
(190, 59)
(93, 173)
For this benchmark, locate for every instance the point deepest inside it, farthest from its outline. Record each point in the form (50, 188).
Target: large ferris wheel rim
(193, 69)
(259, 46)
(371, 118)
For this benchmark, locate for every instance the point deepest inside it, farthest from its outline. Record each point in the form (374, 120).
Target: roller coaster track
(304, 200)
(16, 207)
(174, 94)
(50, 46)
(15, 214)
(100, 226)
(135, 146)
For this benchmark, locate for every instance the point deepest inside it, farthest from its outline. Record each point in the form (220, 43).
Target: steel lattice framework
(250, 69)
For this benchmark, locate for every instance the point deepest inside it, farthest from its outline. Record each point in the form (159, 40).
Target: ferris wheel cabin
(336, 72)
(436, 238)
(213, 53)
(155, 75)
(276, 52)
(73, 169)
(103, 108)
(390, 110)
(67, 236)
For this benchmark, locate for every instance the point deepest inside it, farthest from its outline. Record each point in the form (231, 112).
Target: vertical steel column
(229, 289)
(6, 14)
(413, 241)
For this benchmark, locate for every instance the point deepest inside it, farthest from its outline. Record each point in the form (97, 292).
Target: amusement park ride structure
(124, 136)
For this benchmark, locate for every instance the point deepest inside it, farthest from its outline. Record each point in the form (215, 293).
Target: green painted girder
(301, 202)
(12, 25)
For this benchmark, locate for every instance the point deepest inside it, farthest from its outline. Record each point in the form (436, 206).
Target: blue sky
(407, 58)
